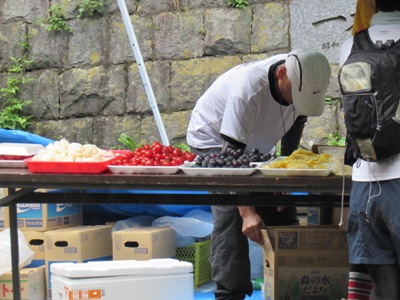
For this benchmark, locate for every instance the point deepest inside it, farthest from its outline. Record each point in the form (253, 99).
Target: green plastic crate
(199, 255)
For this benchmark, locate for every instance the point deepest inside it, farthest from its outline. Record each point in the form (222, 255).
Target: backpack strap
(362, 42)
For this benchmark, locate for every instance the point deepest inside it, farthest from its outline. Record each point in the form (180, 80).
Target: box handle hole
(61, 244)
(131, 244)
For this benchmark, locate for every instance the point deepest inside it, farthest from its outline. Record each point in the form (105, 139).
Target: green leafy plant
(125, 140)
(11, 116)
(183, 147)
(25, 43)
(237, 3)
(91, 8)
(336, 140)
(56, 21)
(130, 144)
(202, 32)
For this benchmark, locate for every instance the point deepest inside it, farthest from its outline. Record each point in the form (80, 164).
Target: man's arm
(291, 140)
(252, 224)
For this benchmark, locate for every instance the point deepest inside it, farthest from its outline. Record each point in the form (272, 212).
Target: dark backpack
(369, 83)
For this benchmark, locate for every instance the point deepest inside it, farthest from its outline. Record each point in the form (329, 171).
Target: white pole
(143, 72)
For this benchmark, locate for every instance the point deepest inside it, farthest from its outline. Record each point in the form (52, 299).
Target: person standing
(364, 11)
(374, 222)
(360, 284)
(252, 106)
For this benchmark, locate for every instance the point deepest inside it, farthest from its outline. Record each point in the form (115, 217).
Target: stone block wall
(86, 86)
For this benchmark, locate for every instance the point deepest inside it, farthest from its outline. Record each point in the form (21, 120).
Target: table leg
(14, 249)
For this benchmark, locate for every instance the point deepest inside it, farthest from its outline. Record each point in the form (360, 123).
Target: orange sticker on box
(84, 294)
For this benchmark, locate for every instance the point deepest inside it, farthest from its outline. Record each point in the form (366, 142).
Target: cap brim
(308, 105)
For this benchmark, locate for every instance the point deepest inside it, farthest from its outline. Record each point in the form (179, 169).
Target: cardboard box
(3, 212)
(35, 241)
(326, 216)
(32, 284)
(3, 221)
(166, 279)
(42, 217)
(305, 262)
(77, 244)
(142, 243)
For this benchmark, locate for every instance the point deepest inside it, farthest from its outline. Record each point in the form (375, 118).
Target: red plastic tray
(63, 167)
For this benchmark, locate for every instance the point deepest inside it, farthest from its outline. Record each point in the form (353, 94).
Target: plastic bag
(256, 260)
(188, 229)
(201, 215)
(26, 255)
(138, 221)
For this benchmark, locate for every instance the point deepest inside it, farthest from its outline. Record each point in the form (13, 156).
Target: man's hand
(252, 224)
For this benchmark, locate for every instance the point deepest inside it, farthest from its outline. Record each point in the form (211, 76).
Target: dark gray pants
(230, 255)
(230, 249)
(230, 262)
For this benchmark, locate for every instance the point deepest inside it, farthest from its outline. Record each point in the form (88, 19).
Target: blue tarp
(19, 136)
(151, 209)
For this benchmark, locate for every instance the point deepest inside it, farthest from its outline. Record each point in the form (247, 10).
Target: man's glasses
(301, 71)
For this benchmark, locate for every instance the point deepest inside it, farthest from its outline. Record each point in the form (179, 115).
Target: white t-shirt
(384, 26)
(239, 105)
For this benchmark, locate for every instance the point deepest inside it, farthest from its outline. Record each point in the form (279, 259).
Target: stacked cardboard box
(43, 217)
(32, 284)
(142, 243)
(77, 244)
(35, 241)
(305, 262)
(34, 220)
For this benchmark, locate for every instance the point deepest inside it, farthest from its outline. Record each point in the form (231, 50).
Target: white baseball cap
(309, 73)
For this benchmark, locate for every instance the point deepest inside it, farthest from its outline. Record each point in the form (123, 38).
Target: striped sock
(359, 286)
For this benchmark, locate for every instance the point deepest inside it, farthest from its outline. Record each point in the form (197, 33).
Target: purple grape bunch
(231, 158)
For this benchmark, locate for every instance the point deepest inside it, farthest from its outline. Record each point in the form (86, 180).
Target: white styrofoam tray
(265, 170)
(20, 149)
(4, 163)
(189, 169)
(143, 169)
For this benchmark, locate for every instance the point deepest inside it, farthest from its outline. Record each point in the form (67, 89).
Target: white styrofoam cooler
(167, 279)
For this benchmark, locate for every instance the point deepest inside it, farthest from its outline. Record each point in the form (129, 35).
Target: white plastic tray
(13, 164)
(263, 168)
(22, 149)
(188, 169)
(143, 169)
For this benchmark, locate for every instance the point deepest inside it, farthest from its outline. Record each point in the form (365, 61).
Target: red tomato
(158, 156)
(168, 149)
(154, 155)
(177, 152)
(178, 160)
(165, 163)
(149, 163)
(135, 161)
(157, 148)
(156, 144)
(190, 156)
(148, 154)
(117, 161)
